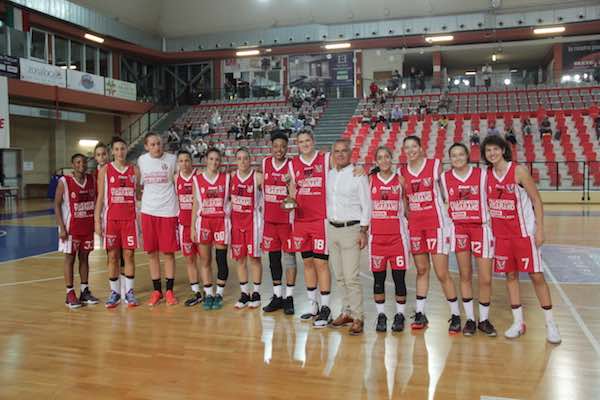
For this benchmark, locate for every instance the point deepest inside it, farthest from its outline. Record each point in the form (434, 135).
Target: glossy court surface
(50, 352)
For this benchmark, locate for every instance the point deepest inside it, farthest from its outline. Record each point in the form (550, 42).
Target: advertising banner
(581, 55)
(9, 66)
(120, 89)
(322, 70)
(4, 121)
(85, 82)
(45, 74)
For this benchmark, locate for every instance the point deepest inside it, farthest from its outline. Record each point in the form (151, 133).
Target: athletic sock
(312, 294)
(484, 311)
(548, 315)
(468, 306)
(220, 289)
(195, 287)
(208, 290)
(325, 298)
(400, 308)
(115, 285)
(129, 281)
(156, 284)
(421, 301)
(277, 290)
(517, 312)
(170, 284)
(244, 287)
(380, 306)
(69, 288)
(83, 286)
(256, 287)
(289, 291)
(454, 309)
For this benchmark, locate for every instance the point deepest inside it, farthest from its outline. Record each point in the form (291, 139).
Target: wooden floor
(50, 352)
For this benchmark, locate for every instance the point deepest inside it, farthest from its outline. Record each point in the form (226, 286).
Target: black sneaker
(243, 301)
(487, 328)
(454, 328)
(324, 318)
(254, 300)
(398, 325)
(470, 328)
(288, 305)
(381, 323)
(275, 304)
(313, 313)
(86, 297)
(195, 298)
(420, 321)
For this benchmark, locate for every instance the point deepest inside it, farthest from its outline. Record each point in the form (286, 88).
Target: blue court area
(24, 241)
(25, 214)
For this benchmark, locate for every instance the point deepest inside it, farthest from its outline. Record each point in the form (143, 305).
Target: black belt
(343, 224)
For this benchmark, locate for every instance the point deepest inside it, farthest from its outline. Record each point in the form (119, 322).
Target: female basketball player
(430, 230)
(246, 221)
(74, 210)
(211, 225)
(517, 216)
(464, 189)
(184, 185)
(388, 240)
(118, 183)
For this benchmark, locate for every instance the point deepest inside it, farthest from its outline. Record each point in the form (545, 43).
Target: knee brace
(222, 269)
(275, 265)
(379, 282)
(399, 282)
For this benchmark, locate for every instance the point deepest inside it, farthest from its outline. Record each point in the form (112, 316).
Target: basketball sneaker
(275, 304)
(518, 328)
(217, 302)
(312, 313)
(86, 297)
(71, 301)
(324, 318)
(171, 299)
(487, 328)
(254, 300)
(288, 305)
(552, 333)
(243, 301)
(420, 321)
(131, 300)
(194, 299)
(113, 300)
(454, 328)
(381, 323)
(470, 328)
(208, 302)
(155, 298)
(398, 325)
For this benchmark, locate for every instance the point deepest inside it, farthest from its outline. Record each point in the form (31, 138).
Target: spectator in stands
(526, 126)
(423, 108)
(187, 129)
(443, 122)
(205, 129)
(486, 71)
(366, 119)
(421, 80)
(374, 120)
(380, 115)
(510, 136)
(215, 119)
(474, 139)
(545, 128)
(444, 103)
(597, 126)
(234, 130)
(172, 136)
(397, 115)
(373, 89)
(311, 121)
(493, 130)
(412, 75)
(297, 125)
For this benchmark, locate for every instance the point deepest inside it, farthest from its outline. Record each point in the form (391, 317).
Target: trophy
(289, 203)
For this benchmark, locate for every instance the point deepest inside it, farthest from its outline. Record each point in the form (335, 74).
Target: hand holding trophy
(289, 203)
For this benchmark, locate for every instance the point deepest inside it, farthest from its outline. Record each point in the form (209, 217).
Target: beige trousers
(344, 258)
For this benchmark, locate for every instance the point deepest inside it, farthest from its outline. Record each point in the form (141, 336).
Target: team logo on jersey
(510, 188)
(319, 168)
(298, 242)
(267, 241)
(374, 190)
(187, 247)
(427, 182)
(204, 233)
(164, 166)
(451, 192)
(179, 186)
(415, 186)
(395, 189)
(202, 190)
(112, 179)
(73, 195)
(266, 176)
(461, 242)
(250, 189)
(110, 241)
(500, 264)
(377, 261)
(236, 249)
(416, 244)
(474, 189)
(132, 178)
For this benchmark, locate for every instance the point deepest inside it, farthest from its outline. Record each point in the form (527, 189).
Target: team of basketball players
(493, 214)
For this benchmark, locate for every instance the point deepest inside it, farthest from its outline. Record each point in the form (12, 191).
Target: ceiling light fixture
(552, 29)
(436, 39)
(93, 38)
(471, 73)
(337, 46)
(88, 142)
(246, 53)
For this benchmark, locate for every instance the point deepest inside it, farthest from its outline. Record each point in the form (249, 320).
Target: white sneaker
(552, 333)
(517, 329)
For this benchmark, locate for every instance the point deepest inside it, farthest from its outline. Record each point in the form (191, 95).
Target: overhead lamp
(466, 82)
(456, 82)
(551, 29)
(468, 73)
(494, 57)
(514, 71)
(403, 86)
(69, 67)
(245, 53)
(88, 142)
(565, 78)
(93, 38)
(337, 46)
(577, 78)
(507, 81)
(436, 39)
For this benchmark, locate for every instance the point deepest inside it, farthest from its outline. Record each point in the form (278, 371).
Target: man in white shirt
(348, 214)
(159, 214)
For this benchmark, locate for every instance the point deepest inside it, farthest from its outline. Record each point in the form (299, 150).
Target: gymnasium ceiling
(177, 18)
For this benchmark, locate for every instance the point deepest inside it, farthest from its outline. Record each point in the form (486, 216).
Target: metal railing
(144, 123)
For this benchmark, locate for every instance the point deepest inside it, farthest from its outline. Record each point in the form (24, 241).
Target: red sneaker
(155, 298)
(72, 301)
(171, 299)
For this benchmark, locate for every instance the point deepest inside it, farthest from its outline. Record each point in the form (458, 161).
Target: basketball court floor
(48, 351)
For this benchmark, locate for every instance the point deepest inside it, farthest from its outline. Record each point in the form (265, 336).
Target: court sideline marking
(572, 309)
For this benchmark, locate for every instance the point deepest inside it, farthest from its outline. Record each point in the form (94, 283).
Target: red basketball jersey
(212, 195)
(425, 204)
(387, 207)
(275, 190)
(310, 179)
(466, 196)
(79, 202)
(185, 195)
(244, 200)
(119, 193)
(511, 211)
